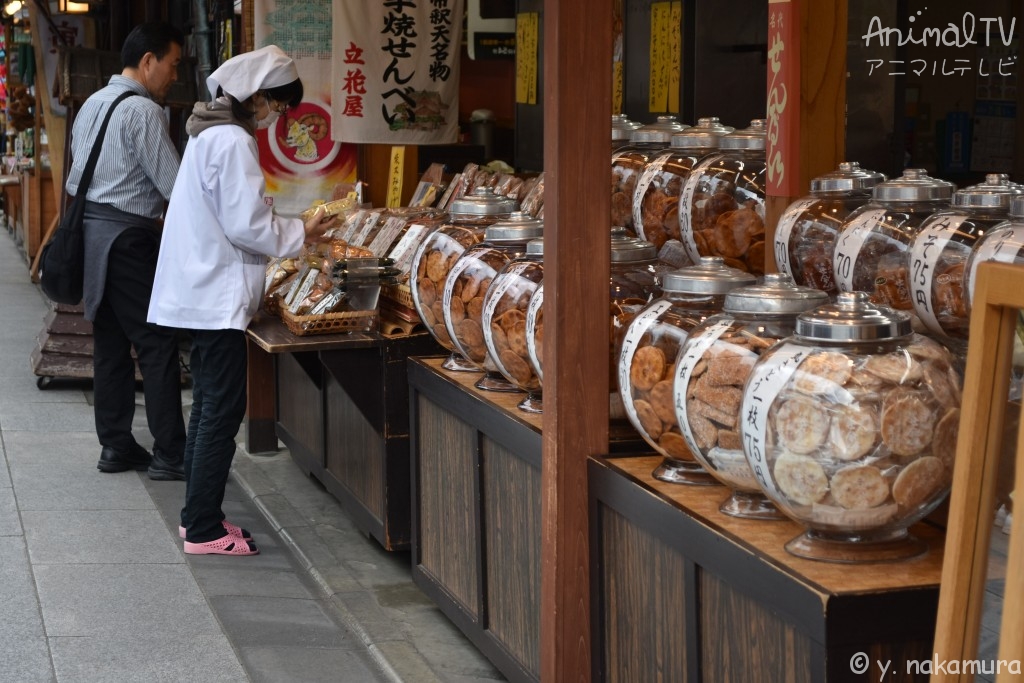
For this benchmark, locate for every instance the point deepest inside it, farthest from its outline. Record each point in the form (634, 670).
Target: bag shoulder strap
(94, 155)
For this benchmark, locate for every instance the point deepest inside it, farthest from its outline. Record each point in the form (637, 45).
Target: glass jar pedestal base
(750, 506)
(457, 363)
(495, 381)
(856, 548)
(681, 472)
(532, 403)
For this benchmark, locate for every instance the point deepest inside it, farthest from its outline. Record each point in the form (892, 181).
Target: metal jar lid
(622, 127)
(705, 135)
(710, 276)
(915, 185)
(849, 177)
(715, 125)
(626, 249)
(659, 131)
(518, 227)
(777, 294)
(483, 202)
(995, 193)
(752, 137)
(1017, 207)
(853, 318)
(535, 247)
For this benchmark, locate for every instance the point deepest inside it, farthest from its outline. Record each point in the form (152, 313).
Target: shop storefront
(732, 477)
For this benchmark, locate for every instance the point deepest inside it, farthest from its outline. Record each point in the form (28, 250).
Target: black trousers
(218, 367)
(121, 324)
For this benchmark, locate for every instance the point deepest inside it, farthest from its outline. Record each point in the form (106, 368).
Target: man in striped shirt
(125, 200)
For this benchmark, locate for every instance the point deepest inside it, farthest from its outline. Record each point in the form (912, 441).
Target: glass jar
(721, 211)
(504, 322)
(622, 128)
(467, 285)
(469, 218)
(656, 198)
(628, 162)
(1004, 243)
(871, 250)
(633, 282)
(714, 363)
(806, 236)
(851, 429)
(649, 353)
(939, 253)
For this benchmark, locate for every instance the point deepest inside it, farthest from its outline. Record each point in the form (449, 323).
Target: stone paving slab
(99, 537)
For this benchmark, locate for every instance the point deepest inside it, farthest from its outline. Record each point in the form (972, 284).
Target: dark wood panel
(446, 462)
(299, 405)
(353, 450)
(742, 640)
(511, 537)
(641, 582)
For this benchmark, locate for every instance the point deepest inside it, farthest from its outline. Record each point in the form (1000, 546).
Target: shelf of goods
(340, 404)
(679, 591)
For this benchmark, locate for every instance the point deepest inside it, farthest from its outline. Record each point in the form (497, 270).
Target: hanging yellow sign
(395, 174)
(666, 53)
(527, 29)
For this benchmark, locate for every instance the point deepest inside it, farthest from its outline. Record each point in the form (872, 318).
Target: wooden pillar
(806, 101)
(577, 98)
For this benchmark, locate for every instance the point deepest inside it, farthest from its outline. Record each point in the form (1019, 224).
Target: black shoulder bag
(62, 263)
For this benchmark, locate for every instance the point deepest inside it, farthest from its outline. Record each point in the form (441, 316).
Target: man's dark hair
(153, 36)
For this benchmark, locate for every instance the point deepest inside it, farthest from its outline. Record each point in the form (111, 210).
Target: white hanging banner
(395, 68)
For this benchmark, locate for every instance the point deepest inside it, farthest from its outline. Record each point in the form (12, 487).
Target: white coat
(217, 234)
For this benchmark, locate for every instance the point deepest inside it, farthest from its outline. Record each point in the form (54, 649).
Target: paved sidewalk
(94, 585)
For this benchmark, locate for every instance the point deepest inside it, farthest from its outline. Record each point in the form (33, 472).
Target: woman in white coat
(210, 275)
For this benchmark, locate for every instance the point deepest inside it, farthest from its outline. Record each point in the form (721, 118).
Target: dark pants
(121, 324)
(218, 405)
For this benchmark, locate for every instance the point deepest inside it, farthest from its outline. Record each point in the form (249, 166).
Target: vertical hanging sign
(526, 57)
(395, 67)
(666, 51)
(782, 146)
(396, 170)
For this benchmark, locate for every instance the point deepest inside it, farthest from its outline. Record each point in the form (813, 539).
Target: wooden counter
(340, 404)
(476, 510)
(680, 592)
(683, 592)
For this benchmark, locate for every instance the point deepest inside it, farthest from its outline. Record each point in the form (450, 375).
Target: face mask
(267, 121)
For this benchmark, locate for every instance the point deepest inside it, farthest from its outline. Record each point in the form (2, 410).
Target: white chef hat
(250, 72)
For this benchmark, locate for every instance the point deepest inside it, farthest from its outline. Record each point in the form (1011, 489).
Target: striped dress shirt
(138, 162)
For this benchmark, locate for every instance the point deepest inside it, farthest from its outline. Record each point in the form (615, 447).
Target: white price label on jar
(925, 251)
(693, 351)
(532, 311)
(784, 233)
(763, 386)
(651, 171)
(849, 243)
(1002, 246)
(634, 333)
(493, 296)
(446, 298)
(686, 209)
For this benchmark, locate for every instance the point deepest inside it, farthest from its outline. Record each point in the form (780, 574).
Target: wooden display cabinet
(476, 510)
(340, 405)
(682, 592)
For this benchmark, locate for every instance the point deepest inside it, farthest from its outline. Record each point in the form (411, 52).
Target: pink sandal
(232, 529)
(225, 545)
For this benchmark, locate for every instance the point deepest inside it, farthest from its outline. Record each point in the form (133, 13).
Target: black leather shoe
(164, 468)
(112, 460)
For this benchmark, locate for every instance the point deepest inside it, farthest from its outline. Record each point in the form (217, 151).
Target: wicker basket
(400, 294)
(329, 323)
